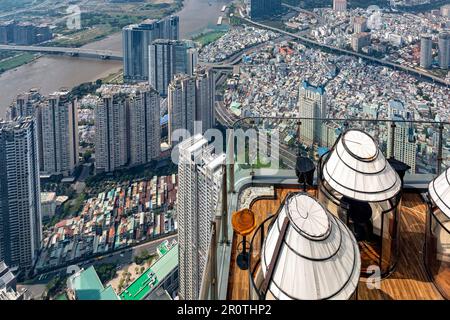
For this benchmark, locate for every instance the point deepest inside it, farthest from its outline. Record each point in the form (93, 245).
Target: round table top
(243, 222)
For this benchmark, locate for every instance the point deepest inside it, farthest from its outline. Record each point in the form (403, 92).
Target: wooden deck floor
(408, 281)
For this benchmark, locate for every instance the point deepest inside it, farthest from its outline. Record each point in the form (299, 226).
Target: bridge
(75, 52)
(100, 54)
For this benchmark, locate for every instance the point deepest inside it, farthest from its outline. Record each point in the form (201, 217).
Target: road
(228, 119)
(121, 257)
(99, 54)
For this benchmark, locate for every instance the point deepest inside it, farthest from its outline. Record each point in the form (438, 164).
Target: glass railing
(268, 147)
(219, 241)
(423, 145)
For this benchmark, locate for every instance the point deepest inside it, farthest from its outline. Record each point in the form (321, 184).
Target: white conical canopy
(357, 169)
(439, 190)
(319, 256)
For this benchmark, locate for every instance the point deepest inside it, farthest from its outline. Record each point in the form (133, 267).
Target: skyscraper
(111, 136)
(181, 103)
(340, 5)
(445, 10)
(127, 126)
(20, 207)
(200, 179)
(444, 50)
(25, 105)
(360, 40)
(191, 98)
(167, 58)
(405, 147)
(359, 24)
(264, 8)
(426, 46)
(137, 37)
(145, 129)
(312, 104)
(205, 97)
(59, 117)
(192, 60)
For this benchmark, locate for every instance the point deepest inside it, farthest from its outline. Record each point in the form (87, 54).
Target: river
(50, 73)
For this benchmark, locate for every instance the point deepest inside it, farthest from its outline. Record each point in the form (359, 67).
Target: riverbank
(17, 61)
(50, 73)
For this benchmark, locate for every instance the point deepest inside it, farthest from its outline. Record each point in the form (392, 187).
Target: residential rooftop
(152, 277)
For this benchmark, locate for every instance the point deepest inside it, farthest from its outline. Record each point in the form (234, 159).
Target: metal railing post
(299, 126)
(214, 262)
(440, 146)
(346, 126)
(230, 158)
(224, 206)
(392, 142)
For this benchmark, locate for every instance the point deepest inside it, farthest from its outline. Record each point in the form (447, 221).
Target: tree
(87, 155)
(106, 272)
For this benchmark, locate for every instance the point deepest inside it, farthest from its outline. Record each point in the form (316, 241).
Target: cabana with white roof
(308, 254)
(437, 233)
(357, 184)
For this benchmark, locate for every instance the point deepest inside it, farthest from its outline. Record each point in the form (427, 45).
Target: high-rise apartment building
(360, 40)
(136, 39)
(111, 129)
(445, 10)
(444, 50)
(181, 104)
(145, 129)
(359, 24)
(191, 98)
(264, 8)
(192, 60)
(127, 126)
(166, 59)
(340, 5)
(205, 89)
(24, 33)
(59, 121)
(312, 104)
(330, 133)
(426, 55)
(200, 180)
(25, 104)
(7, 32)
(405, 146)
(20, 206)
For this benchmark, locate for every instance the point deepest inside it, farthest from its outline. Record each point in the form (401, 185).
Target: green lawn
(207, 38)
(85, 36)
(16, 61)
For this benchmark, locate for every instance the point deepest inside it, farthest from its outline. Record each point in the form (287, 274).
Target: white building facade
(20, 206)
(200, 179)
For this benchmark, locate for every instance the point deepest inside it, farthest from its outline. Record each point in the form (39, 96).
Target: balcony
(409, 279)
(263, 188)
